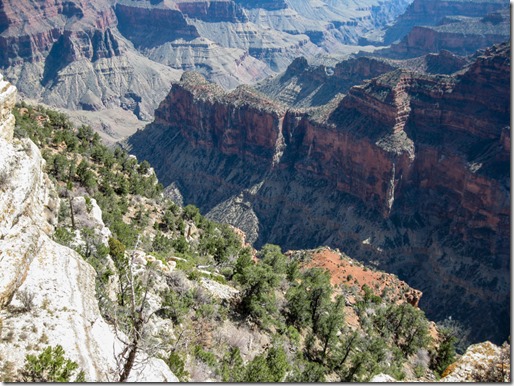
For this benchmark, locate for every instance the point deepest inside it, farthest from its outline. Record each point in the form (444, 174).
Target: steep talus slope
(408, 172)
(62, 283)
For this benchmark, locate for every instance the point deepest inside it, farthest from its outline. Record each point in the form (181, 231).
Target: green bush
(270, 368)
(63, 236)
(232, 367)
(51, 366)
(205, 356)
(177, 366)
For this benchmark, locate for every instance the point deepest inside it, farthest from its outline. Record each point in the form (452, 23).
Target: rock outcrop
(7, 101)
(64, 309)
(345, 271)
(482, 362)
(408, 172)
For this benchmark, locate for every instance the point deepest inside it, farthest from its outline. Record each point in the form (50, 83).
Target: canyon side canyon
(380, 127)
(109, 63)
(408, 172)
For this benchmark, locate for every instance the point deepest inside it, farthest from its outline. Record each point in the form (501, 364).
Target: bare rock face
(408, 172)
(25, 202)
(65, 309)
(7, 101)
(482, 362)
(205, 112)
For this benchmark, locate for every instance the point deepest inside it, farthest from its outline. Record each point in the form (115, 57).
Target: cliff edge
(63, 308)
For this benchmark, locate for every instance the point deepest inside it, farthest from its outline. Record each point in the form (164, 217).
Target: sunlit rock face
(114, 60)
(65, 308)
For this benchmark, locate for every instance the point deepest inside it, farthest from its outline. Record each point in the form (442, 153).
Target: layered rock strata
(69, 54)
(407, 172)
(432, 12)
(306, 85)
(458, 34)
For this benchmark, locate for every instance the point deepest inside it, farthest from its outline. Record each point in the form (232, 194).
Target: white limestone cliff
(65, 310)
(7, 101)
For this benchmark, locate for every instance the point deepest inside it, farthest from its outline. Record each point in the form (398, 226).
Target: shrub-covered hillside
(181, 287)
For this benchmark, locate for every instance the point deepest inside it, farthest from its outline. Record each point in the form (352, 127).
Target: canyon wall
(432, 12)
(70, 54)
(113, 61)
(407, 172)
(460, 35)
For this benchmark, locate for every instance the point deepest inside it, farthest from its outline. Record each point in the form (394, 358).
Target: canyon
(109, 63)
(408, 172)
(377, 129)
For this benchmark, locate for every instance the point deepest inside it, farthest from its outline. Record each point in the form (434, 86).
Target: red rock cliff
(408, 171)
(30, 29)
(241, 122)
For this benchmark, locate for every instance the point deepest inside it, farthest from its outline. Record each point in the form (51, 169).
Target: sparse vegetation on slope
(179, 286)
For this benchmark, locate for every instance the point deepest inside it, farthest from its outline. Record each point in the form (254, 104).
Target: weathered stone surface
(65, 309)
(7, 101)
(408, 172)
(476, 361)
(66, 313)
(381, 378)
(219, 290)
(24, 212)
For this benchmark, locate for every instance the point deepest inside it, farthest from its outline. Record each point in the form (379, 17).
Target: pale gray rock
(64, 309)
(7, 101)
